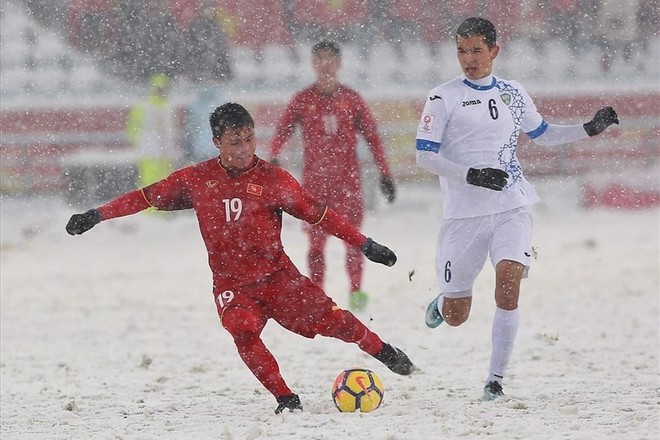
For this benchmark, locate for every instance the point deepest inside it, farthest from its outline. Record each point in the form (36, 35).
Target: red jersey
(239, 216)
(330, 125)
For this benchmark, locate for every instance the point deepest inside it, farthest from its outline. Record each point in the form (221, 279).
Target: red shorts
(287, 296)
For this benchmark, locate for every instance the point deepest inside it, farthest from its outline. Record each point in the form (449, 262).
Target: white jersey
(476, 125)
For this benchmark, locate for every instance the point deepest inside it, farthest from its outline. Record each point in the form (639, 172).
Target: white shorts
(464, 244)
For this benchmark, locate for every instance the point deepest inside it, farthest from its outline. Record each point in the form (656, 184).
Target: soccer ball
(357, 389)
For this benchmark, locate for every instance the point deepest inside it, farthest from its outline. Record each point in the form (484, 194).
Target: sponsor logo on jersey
(471, 102)
(434, 97)
(212, 183)
(426, 124)
(255, 189)
(506, 98)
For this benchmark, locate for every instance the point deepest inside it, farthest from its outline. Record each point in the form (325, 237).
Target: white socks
(505, 327)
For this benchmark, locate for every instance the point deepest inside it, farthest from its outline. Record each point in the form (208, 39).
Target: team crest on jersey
(255, 189)
(212, 183)
(506, 98)
(426, 124)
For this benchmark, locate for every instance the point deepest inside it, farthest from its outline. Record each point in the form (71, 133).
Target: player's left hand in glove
(388, 188)
(491, 178)
(604, 117)
(378, 253)
(79, 223)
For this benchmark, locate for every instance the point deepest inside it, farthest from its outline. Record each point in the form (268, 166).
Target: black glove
(491, 178)
(605, 117)
(387, 187)
(378, 253)
(79, 223)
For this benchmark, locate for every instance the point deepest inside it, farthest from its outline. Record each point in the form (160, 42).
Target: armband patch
(538, 131)
(424, 145)
(426, 123)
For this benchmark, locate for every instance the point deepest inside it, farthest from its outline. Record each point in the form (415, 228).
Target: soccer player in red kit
(239, 200)
(331, 116)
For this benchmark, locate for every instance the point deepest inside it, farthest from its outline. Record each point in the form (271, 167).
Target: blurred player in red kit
(239, 199)
(331, 116)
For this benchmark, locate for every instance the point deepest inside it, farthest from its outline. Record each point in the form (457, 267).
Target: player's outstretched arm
(334, 224)
(378, 253)
(604, 117)
(81, 223)
(127, 204)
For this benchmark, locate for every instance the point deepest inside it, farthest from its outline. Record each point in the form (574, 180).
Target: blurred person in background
(152, 129)
(617, 29)
(205, 49)
(146, 38)
(239, 199)
(158, 43)
(331, 116)
(207, 64)
(648, 23)
(564, 20)
(128, 16)
(468, 135)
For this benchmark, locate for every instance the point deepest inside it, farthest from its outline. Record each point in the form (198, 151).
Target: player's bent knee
(335, 323)
(240, 323)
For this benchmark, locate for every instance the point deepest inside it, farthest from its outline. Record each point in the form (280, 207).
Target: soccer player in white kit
(467, 135)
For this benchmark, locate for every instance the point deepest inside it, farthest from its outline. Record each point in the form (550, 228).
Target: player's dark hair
(477, 26)
(329, 46)
(229, 116)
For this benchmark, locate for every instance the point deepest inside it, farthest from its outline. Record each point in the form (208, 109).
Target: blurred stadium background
(71, 69)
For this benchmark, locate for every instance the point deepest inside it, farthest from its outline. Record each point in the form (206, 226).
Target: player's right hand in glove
(491, 178)
(79, 223)
(378, 253)
(604, 117)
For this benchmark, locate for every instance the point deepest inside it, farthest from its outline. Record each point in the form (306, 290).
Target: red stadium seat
(256, 24)
(330, 14)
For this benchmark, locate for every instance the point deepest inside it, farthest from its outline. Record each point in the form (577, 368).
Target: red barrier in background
(34, 141)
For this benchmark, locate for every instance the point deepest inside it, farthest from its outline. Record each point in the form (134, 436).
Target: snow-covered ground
(114, 335)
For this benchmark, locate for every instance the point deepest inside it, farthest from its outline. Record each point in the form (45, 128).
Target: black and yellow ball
(357, 389)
